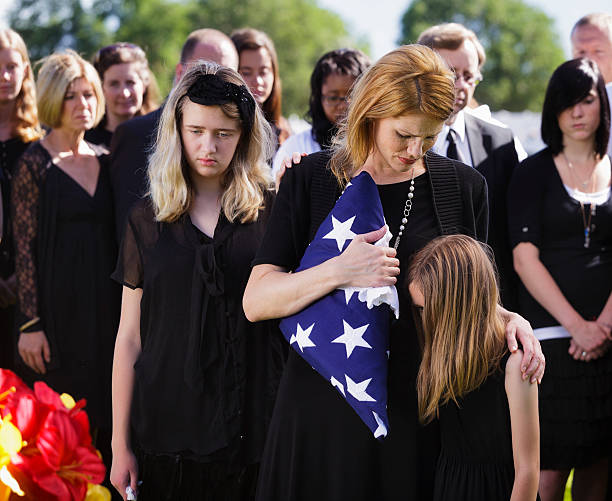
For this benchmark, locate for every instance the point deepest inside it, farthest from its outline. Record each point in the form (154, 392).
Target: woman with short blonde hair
(65, 244)
(56, 74)
(184, 345)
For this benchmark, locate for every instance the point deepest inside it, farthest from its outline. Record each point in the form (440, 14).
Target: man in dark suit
(488, 147)
(133, 140)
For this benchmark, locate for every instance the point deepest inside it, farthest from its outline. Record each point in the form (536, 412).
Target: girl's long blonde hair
(247, 177)
(409, 79)
(463, 331)
(27, 127)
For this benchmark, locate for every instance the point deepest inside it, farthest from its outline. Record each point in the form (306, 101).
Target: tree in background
(300, 29)
(521, 45)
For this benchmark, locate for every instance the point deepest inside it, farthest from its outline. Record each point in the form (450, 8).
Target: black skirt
(575, 408)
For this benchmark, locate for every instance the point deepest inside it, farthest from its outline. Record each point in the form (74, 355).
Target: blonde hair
(410, 79)
(463, 331)
(245, 180)
(27, 127)
(56, 74)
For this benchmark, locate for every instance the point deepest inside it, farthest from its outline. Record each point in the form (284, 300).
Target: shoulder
(496, 130)
(142, 215)
(536, 166)
(466, 175)
(513, 363)
(139, 125)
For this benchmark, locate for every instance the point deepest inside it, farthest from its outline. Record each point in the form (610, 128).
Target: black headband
(211, 90)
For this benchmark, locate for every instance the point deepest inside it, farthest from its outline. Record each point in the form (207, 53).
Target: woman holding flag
(396, 110)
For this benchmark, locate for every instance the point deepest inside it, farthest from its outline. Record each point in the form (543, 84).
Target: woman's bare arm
(124, 470)
(272, 292)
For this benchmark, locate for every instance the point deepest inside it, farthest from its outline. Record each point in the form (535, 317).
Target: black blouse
(542, 212)
(10, 151)
(100, 135)
(205, 379)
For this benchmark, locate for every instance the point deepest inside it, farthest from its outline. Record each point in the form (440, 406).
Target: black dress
(311, 455)
(206, 378)
(100, 135)
(476, 460)
(65, 253)
(10, 151)
(575, 397)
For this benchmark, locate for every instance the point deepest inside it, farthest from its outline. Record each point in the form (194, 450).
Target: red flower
(66, 461)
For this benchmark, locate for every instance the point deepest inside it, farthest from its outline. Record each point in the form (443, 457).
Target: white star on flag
(341, 232)
(348, 292)
(358, 390)
(338, 384)
(381, 431)
(352, 338)
(302, 337)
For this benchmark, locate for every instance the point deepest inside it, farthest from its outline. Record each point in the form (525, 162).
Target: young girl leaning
(468, 380)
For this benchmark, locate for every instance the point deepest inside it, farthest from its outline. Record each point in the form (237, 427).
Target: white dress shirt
(463, 148)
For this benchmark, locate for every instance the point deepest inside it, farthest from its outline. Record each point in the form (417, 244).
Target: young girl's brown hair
(457, 279)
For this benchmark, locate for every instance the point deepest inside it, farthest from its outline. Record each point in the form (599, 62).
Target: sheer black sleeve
(138, 229)
(25, 200)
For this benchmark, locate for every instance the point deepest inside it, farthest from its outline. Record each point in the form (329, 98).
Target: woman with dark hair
(560, 220)
(129, 88)
(258, 66)
(317, 446)
(18, 127)
(330, 84)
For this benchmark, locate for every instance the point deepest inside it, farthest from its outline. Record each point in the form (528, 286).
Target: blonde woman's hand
(33, 348)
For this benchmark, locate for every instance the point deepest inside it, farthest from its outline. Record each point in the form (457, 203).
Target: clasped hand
(365, 265)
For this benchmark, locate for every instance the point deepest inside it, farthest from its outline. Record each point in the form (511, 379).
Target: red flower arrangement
(46, 452)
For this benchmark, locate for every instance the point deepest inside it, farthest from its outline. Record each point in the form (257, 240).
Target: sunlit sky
(379, 21)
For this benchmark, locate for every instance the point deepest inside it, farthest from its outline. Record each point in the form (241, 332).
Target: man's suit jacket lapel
(478, 141)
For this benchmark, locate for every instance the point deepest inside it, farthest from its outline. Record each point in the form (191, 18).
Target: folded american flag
(344, 335)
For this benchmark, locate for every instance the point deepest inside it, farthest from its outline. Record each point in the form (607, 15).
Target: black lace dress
(10, 151)
(65, 253)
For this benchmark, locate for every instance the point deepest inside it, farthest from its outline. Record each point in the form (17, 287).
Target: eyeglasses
(335, 100)
(468, 79)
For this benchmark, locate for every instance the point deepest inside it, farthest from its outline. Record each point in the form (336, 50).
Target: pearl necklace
(407, 209)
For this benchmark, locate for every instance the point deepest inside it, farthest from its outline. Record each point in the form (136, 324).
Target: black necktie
(451, 152)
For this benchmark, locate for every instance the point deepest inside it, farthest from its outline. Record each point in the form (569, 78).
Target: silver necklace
(575, 174)
(407, 209)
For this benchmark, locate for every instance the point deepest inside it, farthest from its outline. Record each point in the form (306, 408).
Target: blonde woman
(65, 245)
(18, 127)
(192, 380)
(469, 381)
(396, 109)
